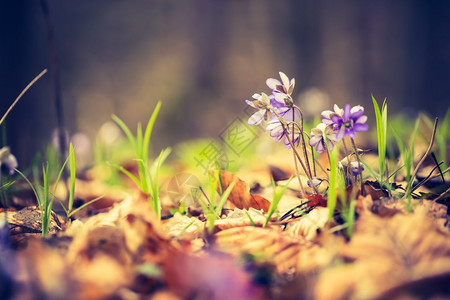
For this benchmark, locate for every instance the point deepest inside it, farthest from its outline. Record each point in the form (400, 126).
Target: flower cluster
(8, 160)
(336, 125)
(282, 117)
(278, 110)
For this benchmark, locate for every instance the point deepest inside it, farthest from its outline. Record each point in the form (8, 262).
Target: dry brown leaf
(183, 227)
(127, 230)
(240, 196)
(309, 225)
(29, 220)
(239, 217)
(280, 249)
(387, 253)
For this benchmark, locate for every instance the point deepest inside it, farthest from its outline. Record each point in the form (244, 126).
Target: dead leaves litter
(240, 196)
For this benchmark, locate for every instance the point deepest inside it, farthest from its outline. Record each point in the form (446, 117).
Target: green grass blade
(128, 173)
(276, 200)
(139, 140)
(83, 206)
(223, 198)
(36, 194)
(250, 218)
(126, 130)
(72, 176)
(149, 129)
(47, 202)
(381, 135)
(333, 182)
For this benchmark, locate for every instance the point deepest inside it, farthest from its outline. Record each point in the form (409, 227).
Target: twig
(426, 179)
(438, 166)
(442, 195)
(413, 175)
(22, 93)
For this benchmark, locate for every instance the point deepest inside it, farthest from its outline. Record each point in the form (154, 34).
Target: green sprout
(148, 176)
(333, 182)
(381, 120)
(275, 200)
(211, 211)
(72, 179)
(45, 198)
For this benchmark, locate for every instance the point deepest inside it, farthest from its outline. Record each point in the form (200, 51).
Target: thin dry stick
(442, 195)
(22, 93)
(303, 140)
(359, 167)
(430, 177)
(302, 189)
(433, 135)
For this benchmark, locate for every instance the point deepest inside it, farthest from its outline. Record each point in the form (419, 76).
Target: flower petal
(257, 117)
(350, 132)
(284, 80)
(360, 127)
(362, 119)
(356, 114)
(340, 134)
(314, 140)
(250, 103)
(326, 114)
(320, 148)
(272, 83)
(347, 114)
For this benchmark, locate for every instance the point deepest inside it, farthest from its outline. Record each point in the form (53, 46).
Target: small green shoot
(211, 211)
(276, 199)
(381, 121)
(69, 210)
(148, 176)
(43, 196)
(333, 182)
(407, 154)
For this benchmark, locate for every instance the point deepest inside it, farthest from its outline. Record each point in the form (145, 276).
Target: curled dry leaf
(183, 227)
(309, 225)
(385, 254)
(240, 196)
(128, 232)
(280, 249)
(239, 218)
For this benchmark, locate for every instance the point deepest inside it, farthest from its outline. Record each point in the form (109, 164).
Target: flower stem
(303, 139)
(359, 166)
(286, 131)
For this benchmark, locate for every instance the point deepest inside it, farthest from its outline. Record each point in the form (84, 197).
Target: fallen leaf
(310, 224)
(386, 253)
(183, 227)
(240, 196)
(272, 245)
(239, 218)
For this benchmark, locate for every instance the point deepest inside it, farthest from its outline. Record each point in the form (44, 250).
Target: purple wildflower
(356, 168)
(320, 135)
(326, 115)
(315, 181)
(285, 86)
(276, 128)
(262, 102)
(8, 160)
(351, 121)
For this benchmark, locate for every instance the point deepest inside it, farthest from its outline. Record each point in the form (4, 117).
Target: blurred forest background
(203, 58)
